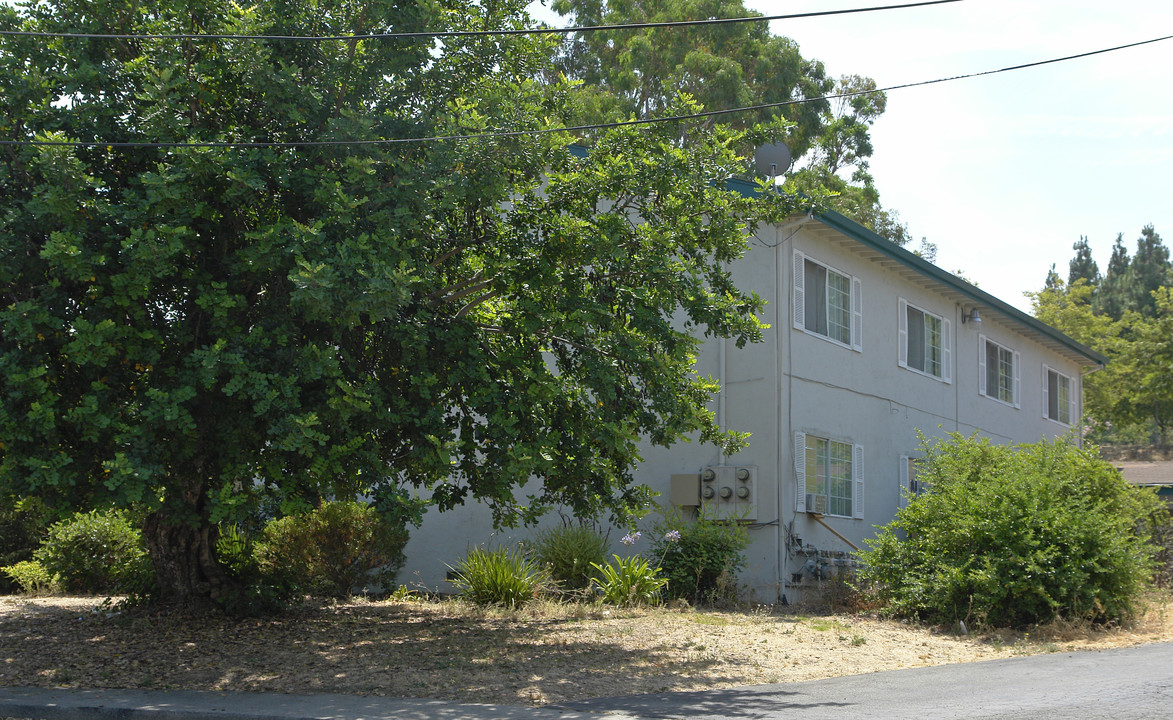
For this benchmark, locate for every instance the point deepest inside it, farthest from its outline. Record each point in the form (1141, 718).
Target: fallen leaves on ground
(450, 650)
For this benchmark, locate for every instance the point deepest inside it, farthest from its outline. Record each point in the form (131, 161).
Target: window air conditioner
(816, 503)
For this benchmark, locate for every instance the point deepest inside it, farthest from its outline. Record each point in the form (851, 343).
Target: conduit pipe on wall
(781, 441)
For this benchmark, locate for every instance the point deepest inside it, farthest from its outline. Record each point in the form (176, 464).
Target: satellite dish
(772, 160)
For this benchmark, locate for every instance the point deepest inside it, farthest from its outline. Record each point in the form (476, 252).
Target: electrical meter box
(730, 492)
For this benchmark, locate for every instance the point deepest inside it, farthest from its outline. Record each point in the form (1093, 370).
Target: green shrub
(700, 558)
(1013, 536)
(498, 577)
(1162, 538)
(630, 582)
(261, 591)
(23, 524)
(96, 552)
(334, 549)
(570, 554)
(30, 577)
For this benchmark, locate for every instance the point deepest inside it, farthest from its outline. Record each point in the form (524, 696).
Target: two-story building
(868, 346)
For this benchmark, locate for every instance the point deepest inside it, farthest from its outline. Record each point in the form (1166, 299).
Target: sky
(1005, 172)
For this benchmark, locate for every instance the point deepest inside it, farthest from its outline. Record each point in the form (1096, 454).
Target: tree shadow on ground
(398, 650)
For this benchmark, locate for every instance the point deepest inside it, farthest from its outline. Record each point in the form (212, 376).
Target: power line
(571, 129)
(474, 33)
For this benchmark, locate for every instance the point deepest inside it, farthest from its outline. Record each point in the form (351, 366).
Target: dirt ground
(542, 654)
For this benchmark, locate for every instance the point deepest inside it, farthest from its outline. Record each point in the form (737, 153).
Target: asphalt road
(1127, 684)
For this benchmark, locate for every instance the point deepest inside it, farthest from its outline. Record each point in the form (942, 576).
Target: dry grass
(544, 653)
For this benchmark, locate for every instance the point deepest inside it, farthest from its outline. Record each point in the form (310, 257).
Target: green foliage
(498, 577)
(570, 553)
(1013, 536)
(641, 73)
(1162, 529)
(23, 524)
(195, 331)
(629, 582)
(258, 590)
(333, 550)
(30, 576)
(1131, 399)
(96, 552)
(702, 564)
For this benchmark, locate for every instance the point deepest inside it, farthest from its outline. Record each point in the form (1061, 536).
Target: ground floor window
(911, 482)
(830, 476)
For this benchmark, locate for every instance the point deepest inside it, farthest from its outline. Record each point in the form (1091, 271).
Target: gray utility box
(725, 492)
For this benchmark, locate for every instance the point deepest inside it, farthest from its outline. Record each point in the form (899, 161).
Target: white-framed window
(827, 302)
(910, 484)
(830, 476)
(925, 341)
(999, 371)
(1058, 396)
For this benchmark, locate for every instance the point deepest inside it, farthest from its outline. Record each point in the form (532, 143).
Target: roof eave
(879, 243)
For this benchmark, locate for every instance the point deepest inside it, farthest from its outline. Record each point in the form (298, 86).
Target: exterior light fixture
(973, 317)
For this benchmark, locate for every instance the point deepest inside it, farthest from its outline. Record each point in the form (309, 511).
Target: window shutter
(982, 364)
(902, 333)
(857, 476)
(1071, 416)
(905, 490)
(857, 314)
(800, 472)
(1046, 391)
(946, 351)
(799, 293)
(1017, 379)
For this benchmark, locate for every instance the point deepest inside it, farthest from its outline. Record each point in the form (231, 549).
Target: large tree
(1149, 270)
(1083, 265)
(1113, 295)
(187, 329)
(637, 73)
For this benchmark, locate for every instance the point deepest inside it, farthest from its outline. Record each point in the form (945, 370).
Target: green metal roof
(886, 247)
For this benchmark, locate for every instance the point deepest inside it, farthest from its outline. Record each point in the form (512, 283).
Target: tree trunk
(184, 557)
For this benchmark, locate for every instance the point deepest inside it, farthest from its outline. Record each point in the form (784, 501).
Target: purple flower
(630, 538)
(672, 536)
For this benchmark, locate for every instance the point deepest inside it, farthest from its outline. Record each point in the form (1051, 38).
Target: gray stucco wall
(796, 381)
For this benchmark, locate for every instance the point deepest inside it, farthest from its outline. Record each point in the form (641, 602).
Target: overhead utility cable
(575, 128)
(476, 33)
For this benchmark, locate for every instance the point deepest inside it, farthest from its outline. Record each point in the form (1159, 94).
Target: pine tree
(1149, 270)
(1082, 265)
(1053, 281)
(1113, 297)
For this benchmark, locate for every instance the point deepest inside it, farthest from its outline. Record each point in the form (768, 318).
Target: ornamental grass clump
(1012, 536)
(629, 582)
(499, 577)
(570, 553)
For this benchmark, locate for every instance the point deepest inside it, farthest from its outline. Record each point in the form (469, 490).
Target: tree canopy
(1128, 315)
(195, 326)
(638, 73)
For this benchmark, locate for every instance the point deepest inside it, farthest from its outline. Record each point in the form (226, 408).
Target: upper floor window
(998, 371)
(924, 341)
(827, 302)
(830, 476)
(1058, 398)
